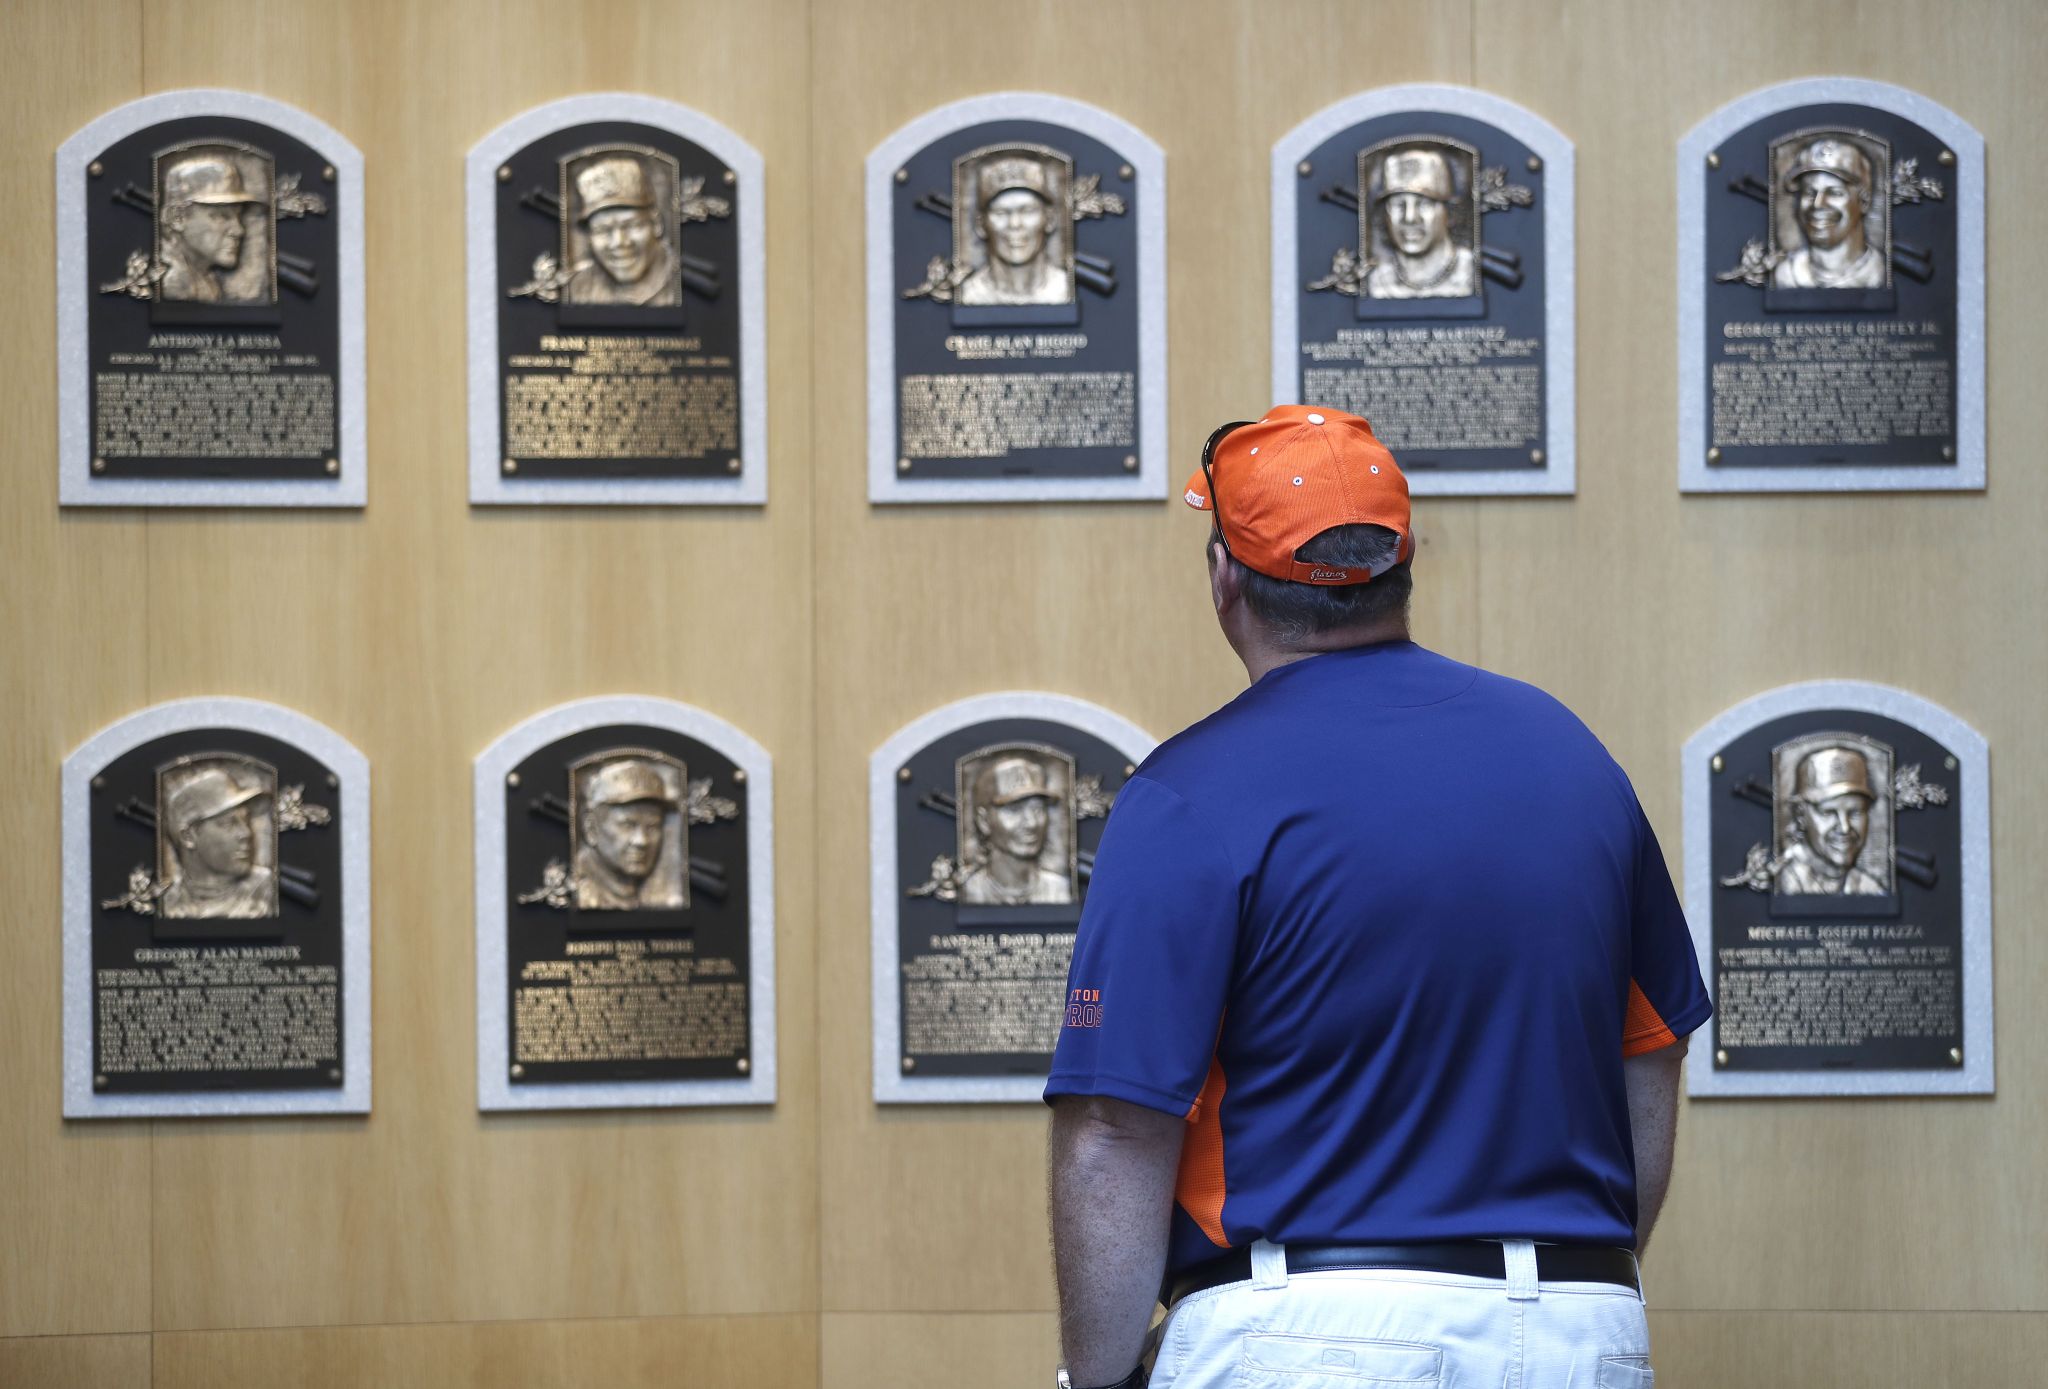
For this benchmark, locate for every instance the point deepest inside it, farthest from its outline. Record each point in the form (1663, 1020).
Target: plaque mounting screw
(1125, 172)
(730, 178)
(99, 783)
(1955, 1054)
(1947, 157)
(909, 1064)
(1130, 770)
(732, 465)
(334, 1073)
(1713, 455)
(903, 774)
(1949, 762)
(903, 175)
(99, 1082)
(1713, 160)
(743, 1065)
(512, 780)
(903, 465)
(328, 173)
(1535, 455)
(1535, 165)
(504, 173)
(1130, 462)
(333, 780)
(511, 465)
(1720, 1058)
(739, 775)
(1717, 764)
(333, 466)
(1948, 453)
(1304, 168)
(99, 465)
(517, 1070)
(95, 168)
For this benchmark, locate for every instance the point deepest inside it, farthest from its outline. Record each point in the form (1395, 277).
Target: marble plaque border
(76, 485)
(1976, 1075)
(1559, 474)
(494, 1091)
(1967, 472)
(488, 486)
(885, 892)
(353, 770)
(1149, 161)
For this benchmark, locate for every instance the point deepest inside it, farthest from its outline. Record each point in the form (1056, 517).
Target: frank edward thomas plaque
(615, 298)
(1016, 305)
(210, 307)
(1831, 293)
(216, 924)
(625, 952)
(986, 814)
(1838, 884)
(1423, 278)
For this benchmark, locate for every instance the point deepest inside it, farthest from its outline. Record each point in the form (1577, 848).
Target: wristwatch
(1134, 1380)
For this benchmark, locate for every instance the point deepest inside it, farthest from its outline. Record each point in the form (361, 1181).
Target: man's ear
(1226, 586)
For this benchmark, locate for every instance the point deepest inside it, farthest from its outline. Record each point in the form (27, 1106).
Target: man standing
(1392, 984)
(1830, 822)
(1413, 198)
(1830, 184)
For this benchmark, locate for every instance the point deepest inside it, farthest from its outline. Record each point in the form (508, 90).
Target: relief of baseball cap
(1281, 481)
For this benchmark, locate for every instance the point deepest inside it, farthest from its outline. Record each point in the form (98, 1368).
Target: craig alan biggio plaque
(216, 916)
(1422, 278)
(983, 820)
(615, 308)
(209, 307)
(1838, 881)
(625, 920)
(1016, 281)
(1831, 293)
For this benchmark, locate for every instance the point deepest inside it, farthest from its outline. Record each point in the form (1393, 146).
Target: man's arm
(1109, 1178)
(1652, 1080)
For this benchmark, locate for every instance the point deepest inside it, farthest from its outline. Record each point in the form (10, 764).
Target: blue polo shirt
(1382, 929)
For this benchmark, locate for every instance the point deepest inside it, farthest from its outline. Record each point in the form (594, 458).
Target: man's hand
(1652, 1081)
(1110, 1175)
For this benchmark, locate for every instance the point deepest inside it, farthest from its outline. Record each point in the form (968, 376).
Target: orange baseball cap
(1279, 482)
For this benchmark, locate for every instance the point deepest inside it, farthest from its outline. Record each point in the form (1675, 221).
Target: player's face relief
(622, 239)
(1829, 209)
(1015, 222)
(1018, 829)
(1416, 223)
(225, 844)
(1837, 827)
(629, 836)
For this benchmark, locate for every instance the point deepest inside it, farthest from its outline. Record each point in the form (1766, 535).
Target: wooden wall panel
(75, 1362)
(1649, 613)
(617, 1352)
(421, 630)
(937, 1350)
(74, 1199)
(939, 1209)
(1871, 1350)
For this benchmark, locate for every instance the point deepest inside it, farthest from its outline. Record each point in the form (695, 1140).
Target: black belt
(1478, 1258)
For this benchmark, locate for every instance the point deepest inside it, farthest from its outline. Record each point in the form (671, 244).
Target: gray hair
(1294, 612)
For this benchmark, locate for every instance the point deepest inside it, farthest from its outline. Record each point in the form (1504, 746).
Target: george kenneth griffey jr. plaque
(1831, 293)
(210, 307)
(625, 911)
(1422, 278)
(216, 916)
(1016, 305)
(615, 308)
(984, 820)
(1839, 886)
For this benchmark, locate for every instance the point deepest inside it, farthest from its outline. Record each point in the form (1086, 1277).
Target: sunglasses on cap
(1209, 477)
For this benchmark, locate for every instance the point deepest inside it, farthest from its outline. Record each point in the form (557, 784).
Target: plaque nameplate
(625, 911)
(1016, 305)
(1423, 278)
(1838, 884)
(985, 815)
(210, 307)
(216, 916)
(1831, 293)
(616, 308)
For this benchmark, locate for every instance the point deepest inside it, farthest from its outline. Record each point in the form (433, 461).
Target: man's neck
(1261, 655)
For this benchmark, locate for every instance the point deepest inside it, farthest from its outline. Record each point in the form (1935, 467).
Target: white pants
(1381, 1328)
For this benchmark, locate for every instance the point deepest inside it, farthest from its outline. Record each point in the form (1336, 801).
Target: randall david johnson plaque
(216, 916)
(1422, 278)
(1838, 881)
(615, 308)
(1831, 293)
(210, 307)
(625, 911)
(985, 817)
(1016, 305)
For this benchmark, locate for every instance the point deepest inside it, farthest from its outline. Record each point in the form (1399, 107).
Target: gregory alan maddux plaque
(1838, 882)
(216, 916)
(1831, 293)
(1422, 278)
(1016, 305)
(210, 307)
(616, 308)
(985, 815)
